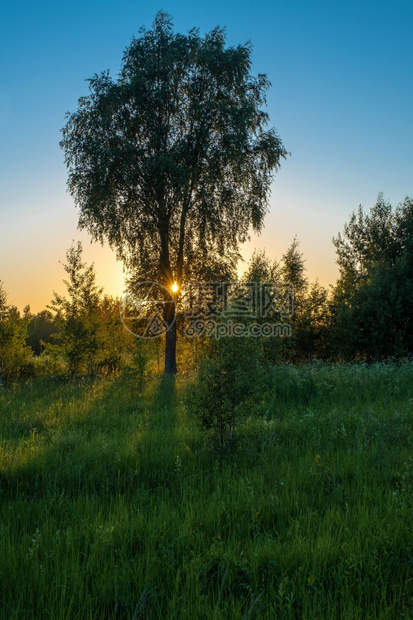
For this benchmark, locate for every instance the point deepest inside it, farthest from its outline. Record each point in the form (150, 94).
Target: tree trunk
(170, 351)
(170, 348)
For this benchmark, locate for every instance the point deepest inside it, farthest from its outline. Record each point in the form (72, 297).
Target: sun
(174, 287)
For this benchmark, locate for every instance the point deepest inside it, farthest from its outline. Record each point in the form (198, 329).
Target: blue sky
(342, 88)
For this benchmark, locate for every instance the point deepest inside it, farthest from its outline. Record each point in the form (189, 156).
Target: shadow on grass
(163, 403)
(97, 439)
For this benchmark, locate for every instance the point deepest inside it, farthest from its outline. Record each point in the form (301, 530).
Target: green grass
(113, 505)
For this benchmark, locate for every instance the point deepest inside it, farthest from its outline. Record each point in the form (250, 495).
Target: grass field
(114, 505)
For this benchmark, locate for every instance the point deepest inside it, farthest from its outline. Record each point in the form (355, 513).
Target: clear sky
(341, 100)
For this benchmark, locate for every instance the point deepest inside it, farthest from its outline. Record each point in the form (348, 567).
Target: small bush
(231, 380)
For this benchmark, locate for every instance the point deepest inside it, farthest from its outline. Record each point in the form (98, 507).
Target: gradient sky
(341, 100)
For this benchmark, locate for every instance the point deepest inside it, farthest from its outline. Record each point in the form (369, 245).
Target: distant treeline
(366, 316)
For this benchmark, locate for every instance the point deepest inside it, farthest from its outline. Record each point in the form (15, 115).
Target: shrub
(231, 379)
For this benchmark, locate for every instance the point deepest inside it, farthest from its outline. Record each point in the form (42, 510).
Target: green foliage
(293, 269)
(139, 365)
(40, 330)
(374, 295)
(293, 273)
(89, 334)
(262, 269)
(78, 315)
(14, 354)
(173, 161)
(310, 321)
(230, 380)
(114, 342)
(368, 240)
(311, 339)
